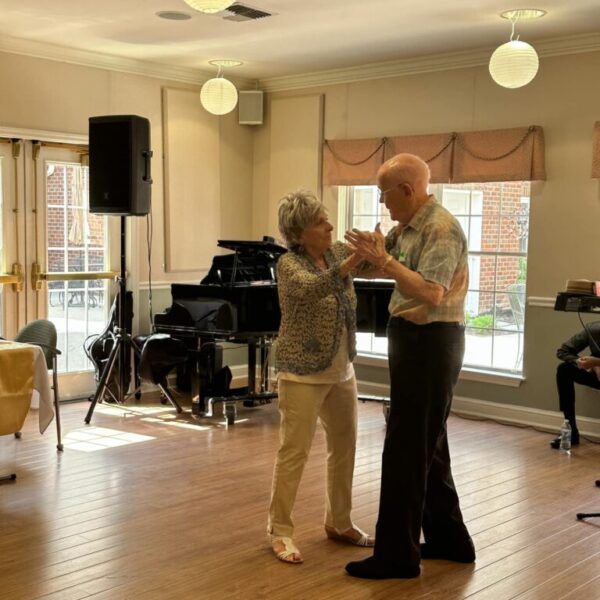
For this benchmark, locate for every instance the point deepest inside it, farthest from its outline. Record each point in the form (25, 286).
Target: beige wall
(51, 96)
(565, 211)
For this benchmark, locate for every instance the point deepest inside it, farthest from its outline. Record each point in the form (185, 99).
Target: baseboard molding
(473, 408)
(544, 420)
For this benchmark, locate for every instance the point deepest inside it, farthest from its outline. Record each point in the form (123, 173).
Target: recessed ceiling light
(523, 14)
(173, 15)
(225, 62)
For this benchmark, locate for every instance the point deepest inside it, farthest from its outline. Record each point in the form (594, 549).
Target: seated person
(584, 370)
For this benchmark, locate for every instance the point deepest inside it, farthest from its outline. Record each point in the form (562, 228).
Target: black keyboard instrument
(236, 301)
(577, 302)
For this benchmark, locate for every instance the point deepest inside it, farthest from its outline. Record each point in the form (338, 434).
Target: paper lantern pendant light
(218, 96)
(209, 6)
(514, 64)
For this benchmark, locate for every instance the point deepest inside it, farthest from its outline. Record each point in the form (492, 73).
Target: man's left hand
(369, 245)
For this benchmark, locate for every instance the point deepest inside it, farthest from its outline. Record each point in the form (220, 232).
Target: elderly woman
(316, 378)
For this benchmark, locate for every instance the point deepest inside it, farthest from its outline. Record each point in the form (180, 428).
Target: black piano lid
(267, 244)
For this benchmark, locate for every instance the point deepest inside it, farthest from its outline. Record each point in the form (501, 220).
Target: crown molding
(43, 135)
(86, 58)
(381, 70)
(425, 64)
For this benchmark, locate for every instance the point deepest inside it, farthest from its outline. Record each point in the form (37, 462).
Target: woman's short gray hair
(297, 211)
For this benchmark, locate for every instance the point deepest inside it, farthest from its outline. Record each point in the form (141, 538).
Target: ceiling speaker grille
(241, 12)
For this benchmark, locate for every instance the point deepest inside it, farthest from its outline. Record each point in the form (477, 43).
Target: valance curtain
(436, 150)
(353, 162)
(494, 155)
(596, 151)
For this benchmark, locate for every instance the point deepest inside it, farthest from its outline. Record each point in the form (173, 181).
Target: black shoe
(465, 555)
(372, 568)
(555, 443)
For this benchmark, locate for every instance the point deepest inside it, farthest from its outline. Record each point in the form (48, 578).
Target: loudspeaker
(250, 107)
(120, 181)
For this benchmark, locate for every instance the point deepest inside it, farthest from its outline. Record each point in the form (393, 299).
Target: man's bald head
(405, 168)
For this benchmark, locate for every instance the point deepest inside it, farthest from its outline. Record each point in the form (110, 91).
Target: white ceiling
(303, 36)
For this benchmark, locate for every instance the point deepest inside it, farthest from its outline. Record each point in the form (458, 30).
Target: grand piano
(237, 301)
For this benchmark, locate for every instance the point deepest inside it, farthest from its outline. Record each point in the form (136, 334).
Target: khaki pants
(299, 405)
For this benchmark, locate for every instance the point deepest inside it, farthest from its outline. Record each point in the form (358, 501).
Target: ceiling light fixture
(218, 95)
(209, 6)
(516, 63)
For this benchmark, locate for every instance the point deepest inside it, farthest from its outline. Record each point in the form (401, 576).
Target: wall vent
(241, 12)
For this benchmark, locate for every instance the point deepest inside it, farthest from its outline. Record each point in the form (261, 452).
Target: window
(495, 219)
(77, 242)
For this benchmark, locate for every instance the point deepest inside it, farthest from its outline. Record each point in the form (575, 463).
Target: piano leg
(198, 405)
(229, 412)
(249, 396)
(262, 395)
(264, 366)
(252, 366)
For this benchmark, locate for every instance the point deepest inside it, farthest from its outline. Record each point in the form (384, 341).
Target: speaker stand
(123, 343)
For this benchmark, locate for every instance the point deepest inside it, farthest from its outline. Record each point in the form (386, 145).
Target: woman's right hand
(350, 263)
(370, 246)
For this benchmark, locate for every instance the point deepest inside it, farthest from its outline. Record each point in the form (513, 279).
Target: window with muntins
(495, 219)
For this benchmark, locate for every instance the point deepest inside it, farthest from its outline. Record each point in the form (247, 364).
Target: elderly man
(426, 255)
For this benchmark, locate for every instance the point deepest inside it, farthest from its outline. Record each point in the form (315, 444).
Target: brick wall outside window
(63, 253)
(495, 218)
(504, 228)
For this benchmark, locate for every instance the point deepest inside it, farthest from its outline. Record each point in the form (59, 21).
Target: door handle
(15, 278)
(38, 276)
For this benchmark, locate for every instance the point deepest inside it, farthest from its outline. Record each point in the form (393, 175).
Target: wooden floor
(182, 514)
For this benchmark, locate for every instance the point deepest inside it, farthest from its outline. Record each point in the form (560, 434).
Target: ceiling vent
(241, 12)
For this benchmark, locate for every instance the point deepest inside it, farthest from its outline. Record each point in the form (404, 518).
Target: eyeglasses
(382, 193)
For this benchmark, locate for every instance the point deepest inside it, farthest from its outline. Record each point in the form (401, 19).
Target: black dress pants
(417, 489)
(567, 375)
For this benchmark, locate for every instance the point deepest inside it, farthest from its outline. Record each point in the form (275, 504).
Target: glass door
(55, 255)
(13, 290)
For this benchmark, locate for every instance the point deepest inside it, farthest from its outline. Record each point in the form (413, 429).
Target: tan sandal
(362, 539)
(290, 554)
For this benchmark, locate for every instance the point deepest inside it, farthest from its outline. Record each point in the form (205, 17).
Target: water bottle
(565, 437)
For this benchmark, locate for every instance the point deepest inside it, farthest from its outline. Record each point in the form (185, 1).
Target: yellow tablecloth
(22, 369)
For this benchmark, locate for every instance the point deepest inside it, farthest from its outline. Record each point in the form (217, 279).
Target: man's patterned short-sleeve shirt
(434, 245)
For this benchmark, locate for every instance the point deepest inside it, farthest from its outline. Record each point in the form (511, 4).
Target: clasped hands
(368, 246)
(589, 363)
